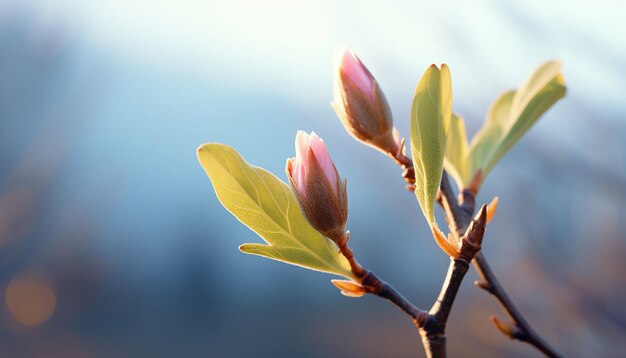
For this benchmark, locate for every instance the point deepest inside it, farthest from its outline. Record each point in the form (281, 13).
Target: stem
(408, 171)
(434, 332)
(456, 272)
(380, 288)
(459, 216)
(522, 331)
(432, 324)
(355, 267)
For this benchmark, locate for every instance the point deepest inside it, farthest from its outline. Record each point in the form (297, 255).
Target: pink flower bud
(354, 69)
(320, 191)
(316, 144)
(361, 104)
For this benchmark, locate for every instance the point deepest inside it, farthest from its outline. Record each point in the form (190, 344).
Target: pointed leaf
(268, 207)
(457, 150)
(432, 109)
(349, 288)
(487, 139)
(511, 115)
(491, 209)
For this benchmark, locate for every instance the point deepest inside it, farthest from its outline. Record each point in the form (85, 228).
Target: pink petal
(323, 158)
(298, 177)
(302, 145)
(356, 71)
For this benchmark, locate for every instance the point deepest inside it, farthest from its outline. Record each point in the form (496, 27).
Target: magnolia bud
(316, 183)
(362, 106)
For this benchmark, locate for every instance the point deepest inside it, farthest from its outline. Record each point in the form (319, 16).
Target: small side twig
(374, 285)
(458, 215)
(432, 324)
(380, 288)
(519, 329)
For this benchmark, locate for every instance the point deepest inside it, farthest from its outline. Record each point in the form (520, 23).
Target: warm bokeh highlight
(30, 299)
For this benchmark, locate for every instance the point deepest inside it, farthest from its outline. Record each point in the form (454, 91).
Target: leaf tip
(443, 242)
(249, 248)
(491, 208)
(199, 150)
(205, 148)
(506, 328)
(349, 288)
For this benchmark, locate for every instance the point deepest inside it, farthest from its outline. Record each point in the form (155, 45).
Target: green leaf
(431, 112)
(510, 117)
(487, 139)
(457, 152)
(266, 205)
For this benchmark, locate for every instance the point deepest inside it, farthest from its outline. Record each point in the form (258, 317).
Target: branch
(520, 329)
(380, 288)
(370, 283)
(433, 333)
(458, 215)
(432, 324)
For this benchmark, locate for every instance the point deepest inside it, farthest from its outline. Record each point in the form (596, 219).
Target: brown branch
(520, 329)
(458, 215)
(408, 171)
(380, 288)
(434, 331)
(374, 285)
(432, 324)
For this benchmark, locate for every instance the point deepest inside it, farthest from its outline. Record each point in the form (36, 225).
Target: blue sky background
(103, 103)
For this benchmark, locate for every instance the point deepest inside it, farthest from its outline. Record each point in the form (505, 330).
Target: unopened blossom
(361, 105)
(318, 187)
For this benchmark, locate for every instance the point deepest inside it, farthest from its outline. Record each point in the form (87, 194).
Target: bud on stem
(319, 190)
(468, 245)
(362, 106)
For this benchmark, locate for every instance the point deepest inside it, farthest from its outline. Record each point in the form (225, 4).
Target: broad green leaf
(457, 152)
(510, 117)
(431, 112)
(266, 205)
(487, 139)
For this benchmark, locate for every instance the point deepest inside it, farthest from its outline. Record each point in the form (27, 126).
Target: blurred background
(113, 243)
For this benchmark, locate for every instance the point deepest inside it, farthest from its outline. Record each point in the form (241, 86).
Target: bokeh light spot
(30, 300)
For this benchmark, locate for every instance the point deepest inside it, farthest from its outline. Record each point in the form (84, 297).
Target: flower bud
(316, 183)
(362, 106)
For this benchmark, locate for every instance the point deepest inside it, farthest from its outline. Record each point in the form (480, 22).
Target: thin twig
(380, 288)
(432, 324)
(521, 329)
(458, 215)
(434, 332)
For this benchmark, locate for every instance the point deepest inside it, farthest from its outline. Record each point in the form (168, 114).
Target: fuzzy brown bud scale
(361, 105)
(320, 191)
